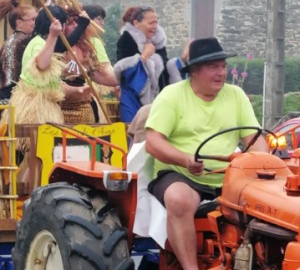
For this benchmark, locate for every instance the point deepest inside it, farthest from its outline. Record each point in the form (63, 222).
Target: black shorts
(165, 178)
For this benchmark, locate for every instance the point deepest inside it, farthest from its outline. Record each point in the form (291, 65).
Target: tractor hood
(246, 191)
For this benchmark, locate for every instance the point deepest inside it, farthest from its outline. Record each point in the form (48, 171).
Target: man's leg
(181, 202)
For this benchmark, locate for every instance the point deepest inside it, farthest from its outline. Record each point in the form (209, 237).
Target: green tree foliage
(292, 75)
(112, 27)
(253, 84)
(291, 104)
(256, 101)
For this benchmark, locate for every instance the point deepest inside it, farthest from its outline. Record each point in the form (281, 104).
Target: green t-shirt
(32, 49)
(100, 50)
(30, 74)
(186, 120)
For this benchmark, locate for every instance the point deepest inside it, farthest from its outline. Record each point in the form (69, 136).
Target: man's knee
(180, 199)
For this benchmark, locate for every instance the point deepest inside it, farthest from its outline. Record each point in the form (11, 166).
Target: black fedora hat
(203, 50)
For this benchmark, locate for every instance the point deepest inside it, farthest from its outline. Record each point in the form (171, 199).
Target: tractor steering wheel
(229, 158)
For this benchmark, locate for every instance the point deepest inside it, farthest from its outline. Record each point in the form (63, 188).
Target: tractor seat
(205, 208)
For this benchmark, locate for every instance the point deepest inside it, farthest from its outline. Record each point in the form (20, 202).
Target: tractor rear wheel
(68, 227)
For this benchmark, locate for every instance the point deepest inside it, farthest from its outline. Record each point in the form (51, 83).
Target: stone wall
(242, 26)
(173, 15)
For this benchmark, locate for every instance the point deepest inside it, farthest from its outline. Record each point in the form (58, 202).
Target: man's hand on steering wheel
(257, 135)
(193, 166)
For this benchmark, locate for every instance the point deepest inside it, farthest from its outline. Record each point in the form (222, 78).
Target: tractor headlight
(280, 142)
(116, 180)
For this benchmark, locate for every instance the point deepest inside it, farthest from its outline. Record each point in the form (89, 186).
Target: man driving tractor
(182, 116)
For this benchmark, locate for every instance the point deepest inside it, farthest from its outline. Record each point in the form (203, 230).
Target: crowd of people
(142, 71)
(177, 102)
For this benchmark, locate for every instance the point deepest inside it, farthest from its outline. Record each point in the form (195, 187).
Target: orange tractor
(83, 218)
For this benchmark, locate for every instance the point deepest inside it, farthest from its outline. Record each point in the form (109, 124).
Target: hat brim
(203, 59)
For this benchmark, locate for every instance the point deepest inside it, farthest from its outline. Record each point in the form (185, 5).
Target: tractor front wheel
(68, 227)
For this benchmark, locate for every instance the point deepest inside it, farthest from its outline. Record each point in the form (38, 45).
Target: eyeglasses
(144, 8)
(141, 10)
(28, 19)
(100, 18)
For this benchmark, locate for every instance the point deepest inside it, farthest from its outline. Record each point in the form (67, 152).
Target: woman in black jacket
(143, 68)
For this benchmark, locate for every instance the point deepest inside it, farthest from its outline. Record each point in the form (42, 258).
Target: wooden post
(274, 66)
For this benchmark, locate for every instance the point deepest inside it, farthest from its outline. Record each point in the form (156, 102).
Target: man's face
(210, 77)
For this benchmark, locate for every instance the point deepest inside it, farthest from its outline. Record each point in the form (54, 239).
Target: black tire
(86, 230)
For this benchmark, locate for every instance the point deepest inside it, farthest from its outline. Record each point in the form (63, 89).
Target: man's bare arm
(105, 77)
(260, 145)
(158, 146)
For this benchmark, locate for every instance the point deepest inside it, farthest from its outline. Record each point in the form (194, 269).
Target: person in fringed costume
(80, 110)
(37, 95)
(39, 91)
(21, 19)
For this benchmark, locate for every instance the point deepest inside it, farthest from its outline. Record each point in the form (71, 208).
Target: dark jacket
(127, 46)
(141, 82)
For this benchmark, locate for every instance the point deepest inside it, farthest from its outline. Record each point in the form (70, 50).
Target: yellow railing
(8, 167)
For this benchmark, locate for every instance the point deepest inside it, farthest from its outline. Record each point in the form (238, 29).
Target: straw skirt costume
(37, 95)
